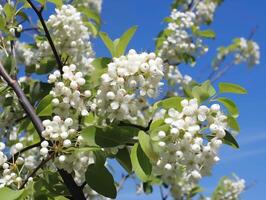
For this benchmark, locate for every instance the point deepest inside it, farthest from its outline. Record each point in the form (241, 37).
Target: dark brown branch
(37, 169)
(15, 156)
(75, 191)
(47, 34)
(23, 100)
(136, 126)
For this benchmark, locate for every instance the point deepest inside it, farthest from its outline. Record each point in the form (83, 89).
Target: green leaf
(94, 29)
(100, 158)
(58, 3)
(147, 187)
(124, 41)
(161, 38)
(172, 102)
(146, 145)
(9, 11)
(156, 124)
(45, 106)
(231, 88)
(108, 43)
(140, 163)
(100, 65)
(230, 105)
(89, 119)
(109, 136)
(233, 124)
(123, 157)
(101, 180)
(7, 193)
(46, 66)
(203, 92)
(230, 140)
(91, 15)
(205, 33)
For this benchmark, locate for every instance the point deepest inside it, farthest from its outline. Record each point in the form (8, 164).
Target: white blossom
(184, 152)
(129, 81)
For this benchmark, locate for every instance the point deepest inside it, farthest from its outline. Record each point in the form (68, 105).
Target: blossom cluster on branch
(185, 156)
(94, 109)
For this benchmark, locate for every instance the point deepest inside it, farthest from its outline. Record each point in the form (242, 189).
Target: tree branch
(73, 188)
(36, 169)
(23, 100)
(15, 156)
(47, 34)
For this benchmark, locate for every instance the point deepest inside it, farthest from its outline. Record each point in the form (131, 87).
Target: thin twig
(37, 169)
(47, 34)
(23, 100)
(15, 156)
(163, 197)
(221, 72)
(122, 182)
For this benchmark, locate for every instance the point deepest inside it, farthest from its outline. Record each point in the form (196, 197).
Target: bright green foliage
(118, 46)
(231, 88)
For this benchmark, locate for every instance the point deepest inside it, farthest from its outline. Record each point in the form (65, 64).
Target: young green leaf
(45, 106)
(7, 193)
(230, 140)
(123, 157)
(109, 136)
(58, 3)
(140, 163)
(108, 43)
(206, 33)
(231, 88)
(146, 145)
(101, 180)
(100, 67)
(124, 41)
(232, 123)
(230, 105)
(90, 14)
(204, 91)
(172, 102)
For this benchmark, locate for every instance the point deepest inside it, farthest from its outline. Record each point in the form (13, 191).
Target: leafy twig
(47, 34)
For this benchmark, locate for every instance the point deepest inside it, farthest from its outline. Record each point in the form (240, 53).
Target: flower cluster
(176, 79)
(181, 42)
(248, 52)
(130, 80)
(26, 55)
(229, 189)
(76, 162)
(58, 130)
(185, 156)
(205, 10)
(244, 51)
(16, 170)
(70, 36)
(68, 93)
(64, 135)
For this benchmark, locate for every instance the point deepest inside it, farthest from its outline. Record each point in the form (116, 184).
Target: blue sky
(235, 18)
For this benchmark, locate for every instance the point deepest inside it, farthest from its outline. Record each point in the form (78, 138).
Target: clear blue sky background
(235, 18)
